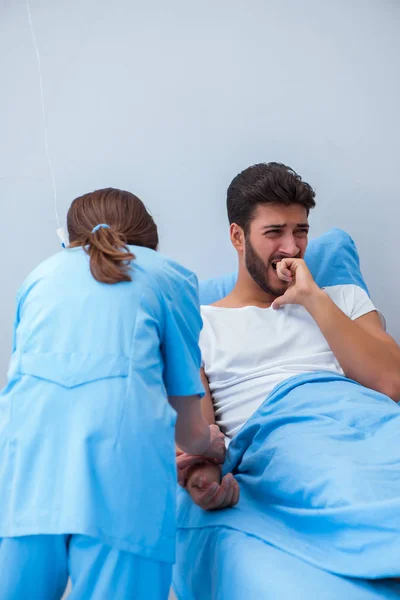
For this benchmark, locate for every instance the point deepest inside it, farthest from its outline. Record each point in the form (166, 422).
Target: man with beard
(277, 323)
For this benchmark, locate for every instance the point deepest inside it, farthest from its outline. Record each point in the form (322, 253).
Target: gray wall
(172, 99)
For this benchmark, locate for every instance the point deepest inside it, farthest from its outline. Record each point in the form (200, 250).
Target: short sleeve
(180, 342)
(359, 303)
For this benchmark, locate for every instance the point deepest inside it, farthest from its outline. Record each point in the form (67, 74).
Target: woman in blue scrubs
(105, 363)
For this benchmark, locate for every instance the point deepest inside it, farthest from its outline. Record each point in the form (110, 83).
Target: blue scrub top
(86, 431)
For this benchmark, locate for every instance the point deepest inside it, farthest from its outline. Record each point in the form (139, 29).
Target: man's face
(276, 232)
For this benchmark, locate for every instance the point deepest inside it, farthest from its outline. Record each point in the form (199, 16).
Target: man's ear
(237, 237)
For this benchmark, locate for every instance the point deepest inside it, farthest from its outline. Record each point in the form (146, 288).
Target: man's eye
(302, 232)
(273, 232)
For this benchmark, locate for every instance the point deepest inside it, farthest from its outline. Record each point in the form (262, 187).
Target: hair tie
(101, 225)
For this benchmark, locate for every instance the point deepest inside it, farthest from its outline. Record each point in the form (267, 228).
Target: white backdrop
(171, 99)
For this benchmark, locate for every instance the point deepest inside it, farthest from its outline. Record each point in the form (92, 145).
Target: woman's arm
(192, 432)
(203, 481)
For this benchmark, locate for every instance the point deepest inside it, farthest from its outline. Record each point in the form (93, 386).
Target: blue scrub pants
(38, 566)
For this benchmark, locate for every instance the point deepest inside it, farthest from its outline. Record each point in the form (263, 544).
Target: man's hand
(295, 272)
(208, 491)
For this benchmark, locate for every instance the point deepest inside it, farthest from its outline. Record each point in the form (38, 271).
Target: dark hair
(128, 223)
(265, 183)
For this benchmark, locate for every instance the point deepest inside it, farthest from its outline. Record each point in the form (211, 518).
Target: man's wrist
(313, 299)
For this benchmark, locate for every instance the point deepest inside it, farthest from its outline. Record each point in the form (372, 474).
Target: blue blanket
(319, 470)
(220, 563)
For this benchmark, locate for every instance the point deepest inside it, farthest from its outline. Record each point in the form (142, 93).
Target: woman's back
(84, 420)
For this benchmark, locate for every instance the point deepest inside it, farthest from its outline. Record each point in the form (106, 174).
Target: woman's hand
(216, 450)
(185, 464)
(215, 455)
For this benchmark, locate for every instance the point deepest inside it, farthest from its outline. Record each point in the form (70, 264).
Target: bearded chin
(258, 271)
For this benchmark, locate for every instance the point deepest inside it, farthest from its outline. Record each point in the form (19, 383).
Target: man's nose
(289, 246)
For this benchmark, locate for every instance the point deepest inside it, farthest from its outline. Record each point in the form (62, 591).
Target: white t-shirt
(247, 351)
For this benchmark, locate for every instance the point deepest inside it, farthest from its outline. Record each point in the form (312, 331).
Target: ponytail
(110, 257)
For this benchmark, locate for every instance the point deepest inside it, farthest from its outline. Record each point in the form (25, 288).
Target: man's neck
(246, 293)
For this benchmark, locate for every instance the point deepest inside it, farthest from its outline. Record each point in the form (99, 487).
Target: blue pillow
(332, 259)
